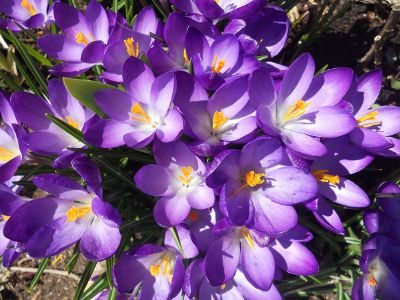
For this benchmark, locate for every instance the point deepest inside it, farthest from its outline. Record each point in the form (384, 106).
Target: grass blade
(74, 258)
(42, 265)
(109, 266)
(97, 287)
(77, 134)
(84, 279)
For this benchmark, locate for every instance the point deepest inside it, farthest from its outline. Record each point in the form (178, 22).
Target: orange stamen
(296, 110)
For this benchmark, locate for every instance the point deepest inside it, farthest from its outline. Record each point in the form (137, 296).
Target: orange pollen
(296, 110)
(372, 281)
(28, 7)
(72, 122)
(165, 265)
(193, 216)
(323, 176)
(186, 176)
(6, 154)
(138, 110)
(222, 286)
(371, 116)
(219, 119)
(80, 38)
(131, 47)
(185, 57)
(246, 234)
(5, 218)
(217, 65)
(75, 213)
(251, 179)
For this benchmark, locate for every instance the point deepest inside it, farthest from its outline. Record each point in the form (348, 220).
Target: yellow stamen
(217, 65)
(193, 216)
(186, 176)
(222, 286)
(75, 213)
(296, 110)
(28, 7)
(155, 270)
(5, 218)
(323, 176)
(131, 47)
(219, 119)
(246, 234)
(165, 265)
(137, 109)
(80, 38)
(372, 281)
(6, 154)
(371, 116)
(251, 179)
(72, 122)
(185, 57)
(217, 1)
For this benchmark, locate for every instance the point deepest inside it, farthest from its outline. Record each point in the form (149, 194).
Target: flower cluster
(239, 142)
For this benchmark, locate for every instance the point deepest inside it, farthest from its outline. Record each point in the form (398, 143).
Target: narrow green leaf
(115, 5)
(42, 265)
(339, 291)
(144, 59)
(83, 90)
(74, 258)
(177, 241)
(97, 287)
(109, 266)
(322, 69)
(160, 9)
(262, 58)
(29, 63)
(87, 273)
(9, 81)
(77, 134)
(112, 294)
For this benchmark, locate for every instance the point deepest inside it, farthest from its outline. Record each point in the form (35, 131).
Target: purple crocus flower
(220, 9)
(45, 137)
(226, 117)
(159, 270)
(260, 185)
(12, 146)
(257, 254)
(141, 113)
(175, 35)
(213, 64)
(83, 41)
(342, 159)
(9, 202)
(129, 42)
(375, 125)
(179, 179)
(303, 110)
(26, 13)
(270, 40)
(239, 287)
(50, 225)
(379, 261)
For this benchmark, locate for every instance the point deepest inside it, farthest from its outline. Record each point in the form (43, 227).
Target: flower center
(296, 110)
(80, 38)
(194, 216)
(75, 213)
(28, 7)
(217, 65)
(185, 57)
(163, 267)
(251, 179)
(219, 119)
(72, 122)
(369, 120)
(372, 281)
(246, 234)
(5, 218)
(139, 114)
(186, 176)
(6, 154)
(131, 47)
(323, 176)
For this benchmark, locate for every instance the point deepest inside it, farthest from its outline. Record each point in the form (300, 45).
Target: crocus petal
(162, 92)
(222, 259)
(154, 180)
(171, 210)
(201, 198)
(70, 20)
(138, 79)
(100, 241)
(265, 151)
(61, 47)
(362, 290)
(93, 52)
(115, 103)
(47, 143)
(261, 89)
(70, 69)
(303, 144)
(89, 173)
(289, 185)
(194, 276)
(393, 151)
(97, 20)
(106, 213)
(369, 139)
(225, 47)
(257, 264)
(171, 128)
(139, 138)
(294, 258)
(146, 21)
(189, 248)
(327, 122)
(368, 88)
(107, 133)
(389, 117)
(346, 193)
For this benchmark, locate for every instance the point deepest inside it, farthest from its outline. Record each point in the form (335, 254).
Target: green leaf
(10, 81)
(98, 286)
(74, 258)
(72, 131)
(83, 90)
(42, 265)
(112, 294)
(339, 291)
(87, 273)
(177, 241)
(109, 266)
(395, 84)
(322, 69)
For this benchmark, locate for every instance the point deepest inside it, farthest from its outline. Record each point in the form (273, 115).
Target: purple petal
(370, 139)
(154, 180)
(107, 133)
(261, 89)
(93, 52)
(201, 198)
(368, 88)
(138, 79)
(303, 144)
(189, 248)
(89, 173)
(97, 20)
(389, 117)
(162, 93)
(171, 210)
(171, 128)
(61, 47)
(106, 213)
(107, 100)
